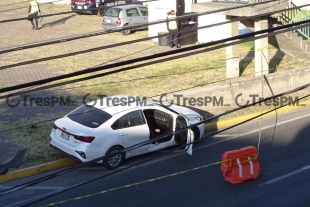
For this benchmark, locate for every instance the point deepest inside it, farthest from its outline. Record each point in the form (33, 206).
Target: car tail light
(118, 21)
(102, 20)
(84, 139)
(90, 2)
(55, 126)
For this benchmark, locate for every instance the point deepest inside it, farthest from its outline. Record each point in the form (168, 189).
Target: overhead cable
(100, 32)
(67, 12)
(24, 6)
(271, 31)
(133, 147)
(160, 21)
(148, 160)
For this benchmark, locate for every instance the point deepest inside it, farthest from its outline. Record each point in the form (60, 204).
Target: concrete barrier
(237, 92)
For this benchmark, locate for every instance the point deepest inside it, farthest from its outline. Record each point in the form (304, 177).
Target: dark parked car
(94, 6)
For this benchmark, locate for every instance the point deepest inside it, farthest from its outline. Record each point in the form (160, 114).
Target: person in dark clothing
(173, 29)
(33, 14)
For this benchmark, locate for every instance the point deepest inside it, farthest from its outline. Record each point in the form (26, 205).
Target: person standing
(33, 14)
(173, 29)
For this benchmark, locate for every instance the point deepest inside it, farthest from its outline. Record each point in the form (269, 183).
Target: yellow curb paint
(37, 169)
(227, 123)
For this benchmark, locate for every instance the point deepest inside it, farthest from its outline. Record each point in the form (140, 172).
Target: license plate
(79, 7)
(108, 21)
(65, 135)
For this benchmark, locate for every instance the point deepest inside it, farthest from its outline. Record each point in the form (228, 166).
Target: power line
(61, 172)
(51, 86)
(68, 12)
(61, 13)
(100, 32)
(270, 32)
(28, 91)
(159, 61)
(24, 6)
(224, 23)
(99, 75)
(121, 69)
(2, 5)
(162, 21)
(148, 160)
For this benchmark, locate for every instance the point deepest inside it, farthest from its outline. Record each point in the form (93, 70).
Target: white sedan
(111, 124)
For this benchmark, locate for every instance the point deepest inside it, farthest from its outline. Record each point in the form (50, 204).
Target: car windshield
(112, 12)
(89, 116)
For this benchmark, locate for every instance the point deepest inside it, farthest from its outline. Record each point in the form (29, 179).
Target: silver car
(118, 17)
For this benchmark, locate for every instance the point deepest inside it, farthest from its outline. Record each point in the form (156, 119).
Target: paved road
(181, 180)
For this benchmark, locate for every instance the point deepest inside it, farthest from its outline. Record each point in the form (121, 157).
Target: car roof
(128, 6)
(119, 103)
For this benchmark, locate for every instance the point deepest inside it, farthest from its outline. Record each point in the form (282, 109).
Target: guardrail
(296, 15)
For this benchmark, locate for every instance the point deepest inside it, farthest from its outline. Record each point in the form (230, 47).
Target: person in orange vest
(33, 14)
(173, 29)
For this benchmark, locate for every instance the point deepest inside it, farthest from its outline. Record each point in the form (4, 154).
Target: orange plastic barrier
(240, 165)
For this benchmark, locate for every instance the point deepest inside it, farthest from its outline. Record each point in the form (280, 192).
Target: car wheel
(127, 31)
(116, 160)
(101, 11)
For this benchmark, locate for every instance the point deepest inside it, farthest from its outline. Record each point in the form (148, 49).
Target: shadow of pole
(57, 22)
(275, 61)
(246, 61)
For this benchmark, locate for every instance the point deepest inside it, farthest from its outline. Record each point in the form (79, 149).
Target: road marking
(35, 187)
(286, 176)
(208, 145)
(183, 172)
(225, 140)
(23, 202)
(129, 185)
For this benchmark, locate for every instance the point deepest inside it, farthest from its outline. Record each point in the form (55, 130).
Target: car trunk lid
(67, 129)
(111, 17)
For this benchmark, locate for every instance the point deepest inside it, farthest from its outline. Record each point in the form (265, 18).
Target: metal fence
(296, 15)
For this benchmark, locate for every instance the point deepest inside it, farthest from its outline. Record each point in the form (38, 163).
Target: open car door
(185, 137)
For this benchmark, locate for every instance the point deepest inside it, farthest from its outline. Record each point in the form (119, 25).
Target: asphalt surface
(177, 179)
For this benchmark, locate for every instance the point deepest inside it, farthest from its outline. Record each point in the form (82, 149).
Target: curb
(37, 169)
(228, 123)
(14, 175)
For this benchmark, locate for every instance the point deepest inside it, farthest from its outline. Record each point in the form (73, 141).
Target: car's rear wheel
(126, 31)
(116, 160)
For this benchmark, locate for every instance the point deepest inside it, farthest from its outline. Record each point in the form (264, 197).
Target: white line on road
(285, 176)
(224, 140)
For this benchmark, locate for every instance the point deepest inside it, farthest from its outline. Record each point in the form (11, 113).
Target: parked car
(93, 6)
(119, 17)
(101, 128)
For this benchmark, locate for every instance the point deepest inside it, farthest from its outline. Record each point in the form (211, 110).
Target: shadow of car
(119, 17)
